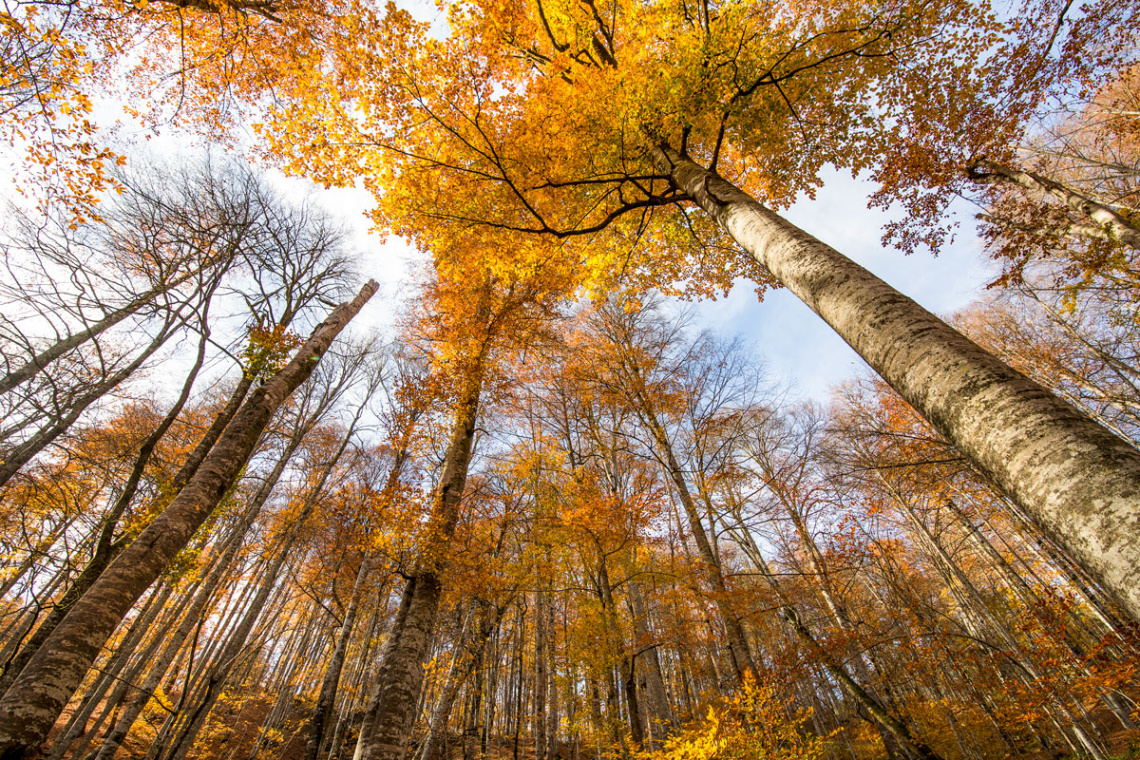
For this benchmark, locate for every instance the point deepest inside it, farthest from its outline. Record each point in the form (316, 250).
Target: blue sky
(802, 354)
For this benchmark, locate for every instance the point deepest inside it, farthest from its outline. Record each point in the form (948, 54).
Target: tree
(200, 64)
(165, 248)
(643, 362)
(475, 323)
(1071, 206)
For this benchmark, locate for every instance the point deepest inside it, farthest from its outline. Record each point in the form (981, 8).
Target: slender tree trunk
(474, 706)
(552, 721)
(41, 549)
(84, 581)
(206, 690)
(616, 648)
(349, 706)
(474, 742)
(206, 443)
(77, 725)
(1080, 482)
(540, 676)
(456, 675)
(494, 667)
(35, 700)
(326, 700)
(20, 455)
(734, 629)
(866, 699)
(126, 684)
(659, 712)
(1108, 223)
(40, 361)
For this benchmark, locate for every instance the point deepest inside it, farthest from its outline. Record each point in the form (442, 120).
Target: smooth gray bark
(1108, 224)
(34, 702)
(1078, 481)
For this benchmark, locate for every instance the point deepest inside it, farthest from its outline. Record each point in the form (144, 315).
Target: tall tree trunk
(474, 747)
(116, 700)
(392, 709)
(326, 699)
(742, 661)
(616, 648)
(552, 720)
(139, 629)
(456, 675)
(349, 705)
(106, 548)
(392, 706)
(200, 693)
(540, 676)
(866, 699)
(256, 610)
(658, 711)
(194, 616)
(36, 699)
(40, 550)
(1080, 482)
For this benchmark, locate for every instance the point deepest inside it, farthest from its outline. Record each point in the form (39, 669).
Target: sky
(802, 355)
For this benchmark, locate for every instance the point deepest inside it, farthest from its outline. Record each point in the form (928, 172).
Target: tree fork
(1079, 482)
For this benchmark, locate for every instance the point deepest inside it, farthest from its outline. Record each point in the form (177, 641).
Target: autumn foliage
(537, 513)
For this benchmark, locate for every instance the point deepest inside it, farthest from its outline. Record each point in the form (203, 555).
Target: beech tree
(891, 600)
(575, 72)
(501, 314)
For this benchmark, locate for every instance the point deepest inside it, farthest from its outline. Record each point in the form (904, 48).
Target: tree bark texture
(37, 697)
(1080, 482)
(326, 700)
(740, 653)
